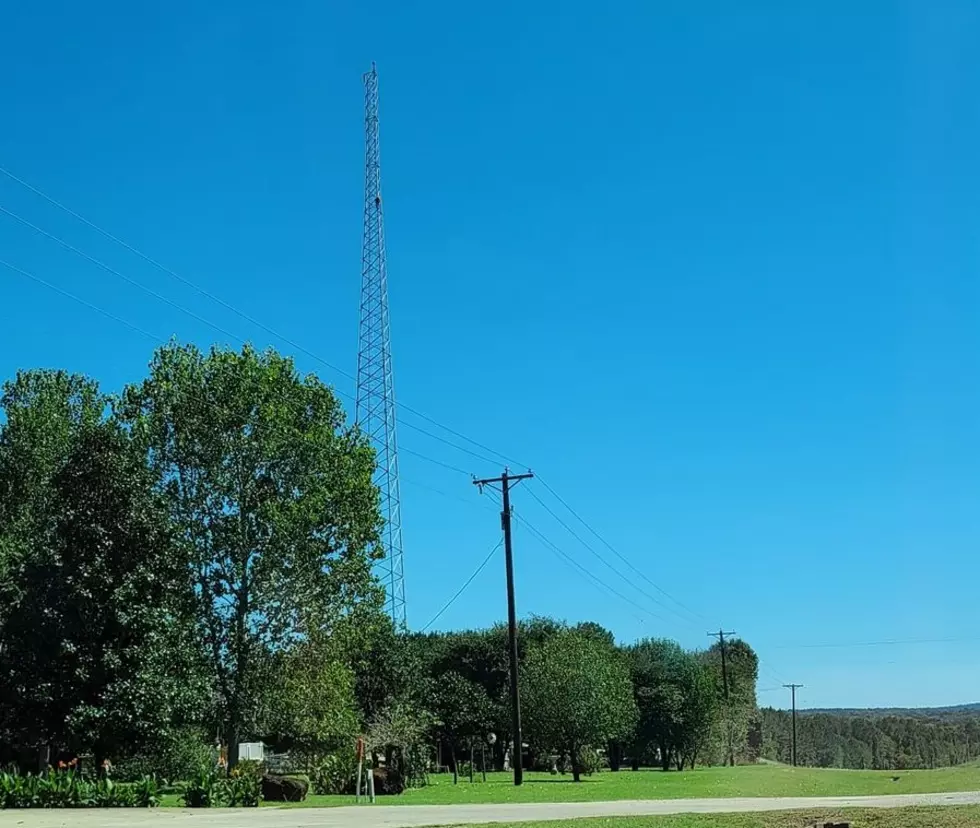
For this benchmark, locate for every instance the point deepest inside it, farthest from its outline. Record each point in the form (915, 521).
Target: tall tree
(99, 656)
(462, 711)
(576, 693)
(739, 708)
(675, 695)
(272, 497)
(44, 414)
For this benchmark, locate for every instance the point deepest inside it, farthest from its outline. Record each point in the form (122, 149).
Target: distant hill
(959, 711)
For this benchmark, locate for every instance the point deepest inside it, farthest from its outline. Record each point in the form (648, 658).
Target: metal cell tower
(375, 409)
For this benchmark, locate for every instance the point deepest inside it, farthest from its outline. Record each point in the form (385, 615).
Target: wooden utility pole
(792, 688)
(720, 635)
(506, 480)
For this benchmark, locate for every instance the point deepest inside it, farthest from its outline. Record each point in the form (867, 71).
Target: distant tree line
(870, 741)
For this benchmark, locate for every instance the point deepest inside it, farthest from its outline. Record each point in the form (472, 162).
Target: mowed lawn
(950, 817)
(751, 780)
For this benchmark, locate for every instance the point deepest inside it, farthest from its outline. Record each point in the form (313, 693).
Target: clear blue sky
(710, 269)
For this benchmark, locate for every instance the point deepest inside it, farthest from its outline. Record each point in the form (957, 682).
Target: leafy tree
(271, 495)
(44, 413)
(576, 692)
(100, 655)
(739, 708)
(675, 696)
(462, 712)
(309, 702)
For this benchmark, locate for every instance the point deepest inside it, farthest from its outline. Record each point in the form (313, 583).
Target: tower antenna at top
(375, 406)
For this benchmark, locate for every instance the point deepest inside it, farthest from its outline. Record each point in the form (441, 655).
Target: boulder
(388, 782)
(284, 788)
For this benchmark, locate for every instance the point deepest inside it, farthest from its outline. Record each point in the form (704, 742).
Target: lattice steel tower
(375, 410)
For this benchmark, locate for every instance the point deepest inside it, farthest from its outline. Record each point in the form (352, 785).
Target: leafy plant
(146, 792)
(202, 790)
(109, 794)
(243, 788)
(333, 773)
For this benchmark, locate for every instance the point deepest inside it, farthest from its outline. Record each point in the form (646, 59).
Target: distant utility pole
(792, 687)
(720, 635)
(506, 480)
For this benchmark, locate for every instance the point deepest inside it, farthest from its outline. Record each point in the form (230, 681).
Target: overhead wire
(203, 320)
(462, 589)
(155, 337)
(242, 314)
(602, 560)
(883, 643)
(557, 550)
(617, 553)
(86, 303)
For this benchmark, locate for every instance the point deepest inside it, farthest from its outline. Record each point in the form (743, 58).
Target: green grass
(967, 816)
(751, 780)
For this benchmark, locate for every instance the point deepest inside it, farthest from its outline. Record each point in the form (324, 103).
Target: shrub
(202, 790)
(589, 760)
(109, 794)
(146, 792)
(333, 773)
(176, 756)
(66, 788)
(243, 787)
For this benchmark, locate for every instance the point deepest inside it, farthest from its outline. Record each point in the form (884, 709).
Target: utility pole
(506, 480)
(720, 635)
(792, 688)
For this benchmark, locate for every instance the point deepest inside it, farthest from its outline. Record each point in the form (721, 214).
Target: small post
(360, 768)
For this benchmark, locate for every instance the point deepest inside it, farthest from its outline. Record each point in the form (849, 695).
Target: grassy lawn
(952, 817)
(753, 780)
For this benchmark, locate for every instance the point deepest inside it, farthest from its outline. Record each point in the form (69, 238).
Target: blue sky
(711, 270)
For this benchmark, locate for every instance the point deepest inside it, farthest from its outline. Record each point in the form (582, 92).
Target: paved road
(407, 816)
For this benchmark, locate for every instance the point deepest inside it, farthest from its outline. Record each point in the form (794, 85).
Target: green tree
(309, 704)
(463, 712)
(44, 414)
(738, 708)
(272, 498)
(576, 692)
(675, 695)
(100, 655)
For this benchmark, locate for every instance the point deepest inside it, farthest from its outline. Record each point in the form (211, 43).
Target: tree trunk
(679, 760)
(234, 735)
(635, 759)
(615, 755)
(664, 757)
(576, 767)
(455, 764)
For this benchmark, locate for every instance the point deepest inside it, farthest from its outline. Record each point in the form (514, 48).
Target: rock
(388, 782)
(284, 788)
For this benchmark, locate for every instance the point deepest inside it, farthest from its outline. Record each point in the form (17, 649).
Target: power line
(555, 549)
(228, 306)
(884, 643)
(205, 321)
(449, 466)
(108, 314)
(462, 589)
(114, 272)
(602, 560)
(619, 555)
(81, 301)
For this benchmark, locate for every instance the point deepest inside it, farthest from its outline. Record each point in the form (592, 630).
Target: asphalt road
(406, 816)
